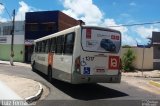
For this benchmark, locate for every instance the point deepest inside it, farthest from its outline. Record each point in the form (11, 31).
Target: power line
(137, 24)
(6, 11)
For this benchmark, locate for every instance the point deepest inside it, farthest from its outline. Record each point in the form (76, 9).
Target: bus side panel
(41, 62)
(62, 67)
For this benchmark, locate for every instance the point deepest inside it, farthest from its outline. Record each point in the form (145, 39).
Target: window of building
(69, 43)
(49, 26)
(32, 26)
(7, 30)
(60, 44)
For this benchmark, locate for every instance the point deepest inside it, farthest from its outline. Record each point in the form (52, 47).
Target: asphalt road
(63, 94)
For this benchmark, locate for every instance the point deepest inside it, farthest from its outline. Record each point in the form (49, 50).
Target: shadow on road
(85, 91)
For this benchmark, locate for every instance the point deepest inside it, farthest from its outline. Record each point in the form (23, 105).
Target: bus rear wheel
(49, 74)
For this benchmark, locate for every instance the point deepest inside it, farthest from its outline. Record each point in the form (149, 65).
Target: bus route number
(88, 58)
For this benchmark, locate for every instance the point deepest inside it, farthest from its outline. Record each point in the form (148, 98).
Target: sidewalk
(21, 89)
(145, 74)
(141, 83)
(149, 80)
(15, 63)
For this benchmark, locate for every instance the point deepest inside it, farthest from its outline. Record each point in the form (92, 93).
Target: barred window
(7, 30)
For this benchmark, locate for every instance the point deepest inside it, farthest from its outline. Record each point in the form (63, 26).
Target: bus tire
(33, 67)
(49, 74)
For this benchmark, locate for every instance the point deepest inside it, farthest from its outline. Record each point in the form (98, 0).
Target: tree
(127, 60)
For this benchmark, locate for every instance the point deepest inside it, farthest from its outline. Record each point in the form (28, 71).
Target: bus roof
(72, 29)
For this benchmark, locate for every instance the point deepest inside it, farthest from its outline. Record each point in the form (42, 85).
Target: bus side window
(60, 44)
(40, 47)
(43, 46)
(69, 43)
(35, 49)
(53, 45)
(47, 49)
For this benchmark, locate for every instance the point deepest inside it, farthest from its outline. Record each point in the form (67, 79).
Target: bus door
(100, 52)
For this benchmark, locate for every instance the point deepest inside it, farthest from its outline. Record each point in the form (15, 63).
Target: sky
(105, 13)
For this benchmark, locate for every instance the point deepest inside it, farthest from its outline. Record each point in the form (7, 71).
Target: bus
(80, 54)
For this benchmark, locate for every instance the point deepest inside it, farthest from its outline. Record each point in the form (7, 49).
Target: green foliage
(127, 60)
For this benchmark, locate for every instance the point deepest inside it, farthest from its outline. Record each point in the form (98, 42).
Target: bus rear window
(100, 40)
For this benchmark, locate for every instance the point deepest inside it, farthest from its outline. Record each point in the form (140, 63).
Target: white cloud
(1, 8)
(87, 11)
(111, 22)
(1, 12)
(145, 32)
(22, 10)
(20, 15)
(128, 40)
(139, 41)
(83, 9)
(132, 4)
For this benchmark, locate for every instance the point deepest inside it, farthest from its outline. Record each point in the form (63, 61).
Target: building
(36, 25)
(156, 50)
(5, 41)
(42, 23)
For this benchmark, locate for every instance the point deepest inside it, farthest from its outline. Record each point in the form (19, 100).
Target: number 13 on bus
(81, 54)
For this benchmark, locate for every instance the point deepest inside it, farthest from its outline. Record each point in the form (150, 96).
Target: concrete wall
(148, 57)
(5, 51)
(5, 42)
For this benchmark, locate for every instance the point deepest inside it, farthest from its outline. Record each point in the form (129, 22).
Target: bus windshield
(96, 40)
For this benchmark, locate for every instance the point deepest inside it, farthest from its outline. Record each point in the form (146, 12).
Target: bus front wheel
(49, 74)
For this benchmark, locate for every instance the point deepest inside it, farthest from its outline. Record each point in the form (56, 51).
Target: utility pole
(143, 59)
(12, 39)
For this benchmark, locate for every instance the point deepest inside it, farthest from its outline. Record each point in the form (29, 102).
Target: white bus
(81, 54)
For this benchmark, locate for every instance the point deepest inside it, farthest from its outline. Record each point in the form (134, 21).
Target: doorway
(28, 53)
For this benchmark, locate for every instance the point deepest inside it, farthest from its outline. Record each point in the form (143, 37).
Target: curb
(154, 83)
(36, 96)
(141, 76)
(15, 63)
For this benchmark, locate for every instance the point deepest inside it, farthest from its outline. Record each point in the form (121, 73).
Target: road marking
(154, 83)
